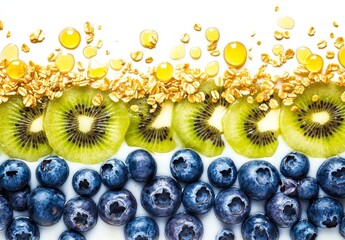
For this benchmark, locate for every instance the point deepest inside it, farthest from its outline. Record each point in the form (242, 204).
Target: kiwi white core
(164, 117)
(37, 125)
(269, 122)
(321, 117)
(216, 118)
(85, 123)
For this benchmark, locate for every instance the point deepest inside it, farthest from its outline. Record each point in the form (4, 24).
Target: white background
(122, 21)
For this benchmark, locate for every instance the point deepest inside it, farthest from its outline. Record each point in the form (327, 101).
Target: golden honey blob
(69, 38)
(341, 56)
(89, 51)
(9, 52)
(195, 53)
(117, 64)
(302, 53)
(97, 70)
(235, 54)
(314, 63)
(164, 71)
(212, 69)
(65, 62)
(178, 52)
(286, 22)
(149, 38)
(16, 69)
(277, 49)
(212, 34)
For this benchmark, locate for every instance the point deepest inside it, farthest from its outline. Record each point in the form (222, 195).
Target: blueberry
(144, 228)
(288, 186)
(184, 226)
(46, 205)
(198, 197)
(86, 182)
(307, 189)
(225, 234)
(232, 206)
(22, 228)
(325, 212)
(117, 207)
(186, 165)
(303, 230)
(114, 173)
(6, 213)
(342, 227)
(18, 199)
(331, 177)
(53, 171)
(141, 165)
(80, 214)
(258, 179)
(71, 235)
(14, 174)
(259, 227)
(161, 197)
(295, 165)
(283, 210)
(222, 172)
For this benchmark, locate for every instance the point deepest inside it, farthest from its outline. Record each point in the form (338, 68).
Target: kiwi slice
(81, 132)
(150, 130)
(21, 130)
(317, 128)
(250, 131)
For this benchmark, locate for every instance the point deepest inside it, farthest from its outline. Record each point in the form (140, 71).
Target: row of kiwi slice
(76, 129)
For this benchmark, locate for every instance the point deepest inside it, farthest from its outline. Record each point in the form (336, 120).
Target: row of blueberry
(162, 196)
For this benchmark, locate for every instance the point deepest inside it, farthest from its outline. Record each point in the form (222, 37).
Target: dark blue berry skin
(295, 165)
(258, 179)
(53, 171)
(71, 235)
(342, 227)
(14, 174)
(307, 189)
(232, 206)
(186, 165)
(284, 211)
(259, 227)
(141, 228)
(80, 214)
(6, 213)
(225, 234)
(325, 212)
(86, 182)
(18, 199)
(288, 186)
(184, 226)
(198, 197)
(222, 172)
(114, 173)
(331, 177)
(161, 197)
(46, 205)
(117, 207)
(303, 230)
(22, 228)
(141, 165)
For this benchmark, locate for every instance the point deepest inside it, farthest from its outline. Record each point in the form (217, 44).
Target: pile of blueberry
(162, 196)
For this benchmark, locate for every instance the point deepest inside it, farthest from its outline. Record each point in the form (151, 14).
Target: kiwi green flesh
(81, 132)
(242, 132)
(304, 132)
(141, 132)
(21, 131)
(191, 123)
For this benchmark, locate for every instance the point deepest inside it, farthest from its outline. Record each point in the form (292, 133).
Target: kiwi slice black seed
(21, 130)
(150, 130)
(317, 128)
(250, 131)
(81, 132)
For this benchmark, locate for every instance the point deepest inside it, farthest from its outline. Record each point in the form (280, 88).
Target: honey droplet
(235, 54)
(301, 54)
(65, 62)
(314, 63)
(195, 53)
(164, 71)
(286, 22)
(277, 49)
(212, 68)
(341, 56)
(90, 51)
(212, 34)
(16, 69)
(117, 64)
(149, 38)
(97, 70)
(10, 52)
(137, 55)
(69, 38)
(178, 52)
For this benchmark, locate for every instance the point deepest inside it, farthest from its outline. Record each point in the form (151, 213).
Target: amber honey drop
(314, 63)
(235, 54)
(195, 53)
(149, 38)
(16, 69)
(69, 38)
(277, 49)
(89, 52)
(212, 69)
(286, 22)
(117, 64)
(341, 56)
(164, 71)
(178, 52)
(65, 62)
(9, 52)
(97, 70)
(301, 54)
(212, 34)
